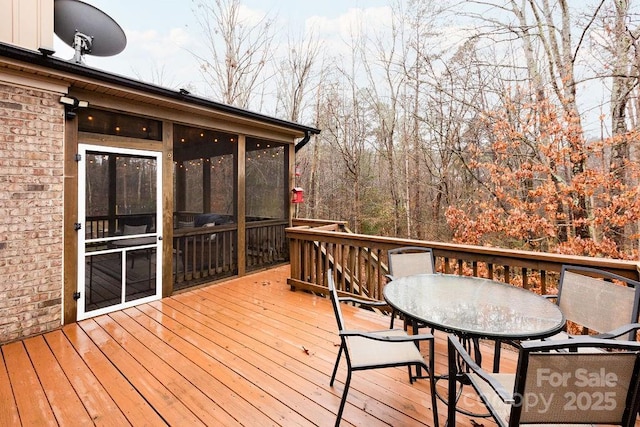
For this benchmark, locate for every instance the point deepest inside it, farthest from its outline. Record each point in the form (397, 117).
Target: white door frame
(148, 241)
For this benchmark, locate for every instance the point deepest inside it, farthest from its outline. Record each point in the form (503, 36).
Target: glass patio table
(474, 308)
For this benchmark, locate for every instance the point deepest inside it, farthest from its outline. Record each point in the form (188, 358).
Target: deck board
(197, 369)
(62, 398)
(29, 397)
(131, 403)
(154, 391)
(248, 351)
(9, 409)
(252, 362)
(97, 401)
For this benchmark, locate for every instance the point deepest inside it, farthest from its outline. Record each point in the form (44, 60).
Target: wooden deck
(244, 352)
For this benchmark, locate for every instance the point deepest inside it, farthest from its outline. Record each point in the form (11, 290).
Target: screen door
(119, 233)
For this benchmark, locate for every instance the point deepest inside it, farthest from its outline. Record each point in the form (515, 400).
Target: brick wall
(31, 211)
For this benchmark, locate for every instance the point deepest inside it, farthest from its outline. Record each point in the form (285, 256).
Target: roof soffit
(86, 84)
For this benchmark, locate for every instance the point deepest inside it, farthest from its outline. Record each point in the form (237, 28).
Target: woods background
(511, 123)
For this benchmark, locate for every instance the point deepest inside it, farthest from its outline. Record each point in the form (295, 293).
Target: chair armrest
(388, 338)
(389, 277)
(622, 330)
(363, 301)
(505, 395)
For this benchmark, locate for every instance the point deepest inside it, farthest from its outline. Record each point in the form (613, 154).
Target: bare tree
(622, 48)
(237, 51)
(421, 50)
(310, 159)
(380, 59)
(295, 76)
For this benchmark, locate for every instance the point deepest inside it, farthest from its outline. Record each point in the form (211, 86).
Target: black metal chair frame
(388, 342)
(463, 368)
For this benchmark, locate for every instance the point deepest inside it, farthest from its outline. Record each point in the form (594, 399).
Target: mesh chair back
(134, 229)
(597, 304)
(572, 387)
(408, 261)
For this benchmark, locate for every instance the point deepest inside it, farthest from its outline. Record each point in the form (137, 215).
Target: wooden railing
(267, 243)
(361, 261)
(100, 226)
(204, 254)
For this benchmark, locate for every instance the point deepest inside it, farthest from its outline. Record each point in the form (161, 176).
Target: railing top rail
(265, 222)
(196, 231)
(529, 259)
(316, 222)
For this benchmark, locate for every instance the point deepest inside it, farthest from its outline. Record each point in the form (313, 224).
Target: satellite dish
(87, 29)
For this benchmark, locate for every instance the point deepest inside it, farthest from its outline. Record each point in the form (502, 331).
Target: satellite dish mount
(87, 29)
(82, 43)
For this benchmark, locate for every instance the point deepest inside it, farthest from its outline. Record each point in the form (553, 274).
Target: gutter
(45, 60)
(304, 141)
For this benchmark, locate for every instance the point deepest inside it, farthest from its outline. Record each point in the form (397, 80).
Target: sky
(160, 33)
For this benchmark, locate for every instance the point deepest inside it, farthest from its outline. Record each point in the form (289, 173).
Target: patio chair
(566, 387)
(407, 261)
(597, 300)
(129, 230)
(365, 350)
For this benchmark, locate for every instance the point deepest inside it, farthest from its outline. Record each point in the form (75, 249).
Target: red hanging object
(297, 195)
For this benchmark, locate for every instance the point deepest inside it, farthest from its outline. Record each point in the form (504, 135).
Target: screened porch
(229, 194)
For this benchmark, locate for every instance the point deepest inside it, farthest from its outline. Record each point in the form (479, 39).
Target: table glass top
(474, 306)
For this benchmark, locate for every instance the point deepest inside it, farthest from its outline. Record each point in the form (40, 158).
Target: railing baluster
(318, 263)
(380, 275)
(328, 254)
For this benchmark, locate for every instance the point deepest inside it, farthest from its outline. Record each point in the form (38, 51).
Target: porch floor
(243, 352)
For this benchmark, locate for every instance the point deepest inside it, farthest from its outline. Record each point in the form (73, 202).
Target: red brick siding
(31, 210)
